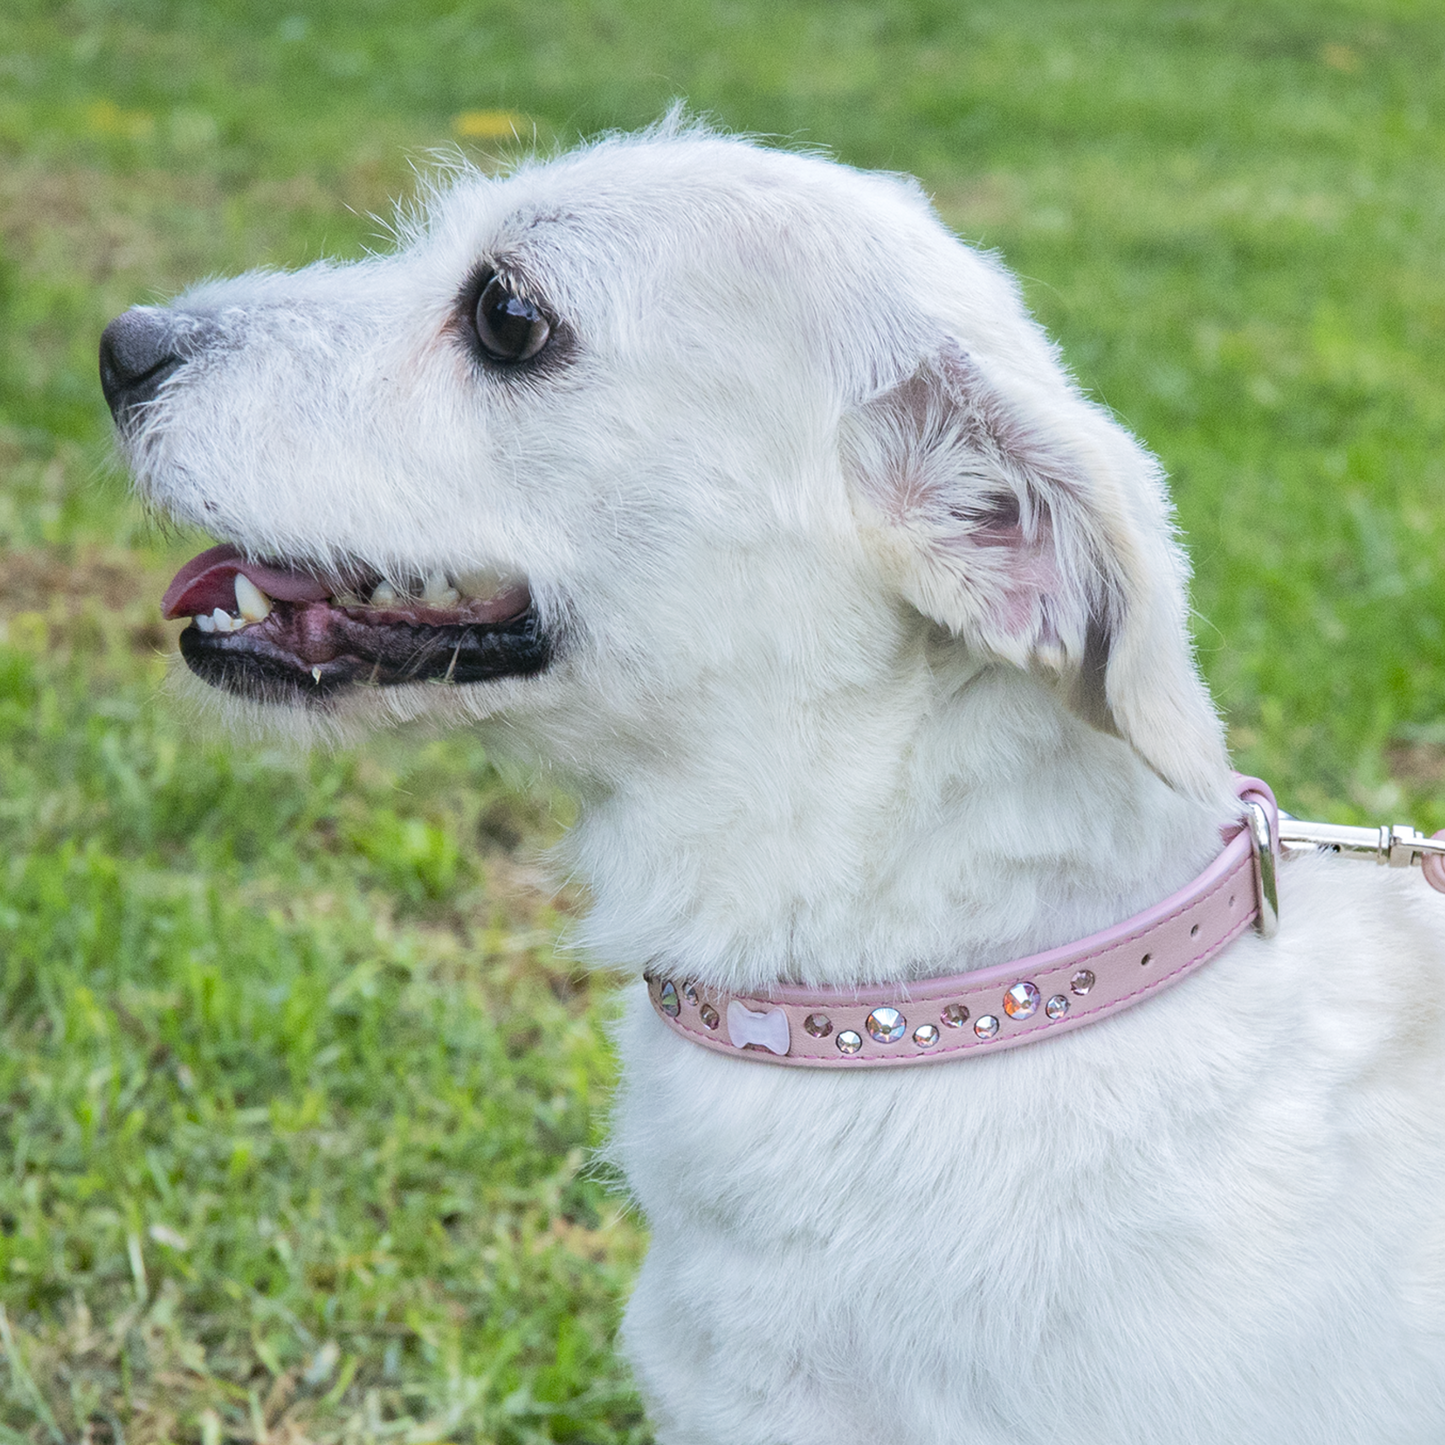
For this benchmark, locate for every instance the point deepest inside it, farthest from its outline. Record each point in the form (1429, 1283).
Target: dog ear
(1031, 526)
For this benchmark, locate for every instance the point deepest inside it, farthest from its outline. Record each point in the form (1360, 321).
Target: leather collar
(969, 1014)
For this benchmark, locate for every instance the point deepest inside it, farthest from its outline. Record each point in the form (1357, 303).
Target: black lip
(257, 662)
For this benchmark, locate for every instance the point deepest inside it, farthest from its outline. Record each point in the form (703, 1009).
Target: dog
(727, 486)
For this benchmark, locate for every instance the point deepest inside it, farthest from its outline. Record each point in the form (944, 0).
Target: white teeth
(252, 603)
(224, 622)
(315, 674)
(204, 623)
(384, 595)
(438, 592)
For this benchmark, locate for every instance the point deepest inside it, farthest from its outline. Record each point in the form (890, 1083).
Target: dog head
(670, 416)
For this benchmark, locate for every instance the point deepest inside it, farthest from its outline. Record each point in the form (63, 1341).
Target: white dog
(729, 486)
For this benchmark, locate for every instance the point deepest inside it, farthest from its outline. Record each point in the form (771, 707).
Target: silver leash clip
(1390, 845)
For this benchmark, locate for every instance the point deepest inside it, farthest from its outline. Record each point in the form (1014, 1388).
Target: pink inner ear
(1010, 572)
(1002, 535)
(947, 461)
(1021, 605)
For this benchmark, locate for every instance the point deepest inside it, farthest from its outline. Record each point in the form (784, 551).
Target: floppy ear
(1032, 527)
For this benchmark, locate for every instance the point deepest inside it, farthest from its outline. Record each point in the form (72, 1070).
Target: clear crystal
(925, 1036)
(1057, 1006)
(689, 993)
(986, 1027)
(708, 1014)
(1021, 1001)
(955, 1015)
(849, 1042)
(886, 1025)
(1082, 981)
(819, 1025)
(669, 1001)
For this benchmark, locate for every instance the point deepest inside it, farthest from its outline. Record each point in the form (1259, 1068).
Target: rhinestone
(986, 1027)
(1021, 1001)
(1057, 1006)
(708, 1014)
(668, 999)
(849, 1042)
(925, 1036)
(819, 1025)
(955, 1015)
(886, 1025)
(689, 993)
(1082, 981)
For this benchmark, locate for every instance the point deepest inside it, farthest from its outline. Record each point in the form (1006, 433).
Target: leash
(1014, 1003)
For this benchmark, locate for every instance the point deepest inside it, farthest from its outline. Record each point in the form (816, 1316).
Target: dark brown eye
(510, 328)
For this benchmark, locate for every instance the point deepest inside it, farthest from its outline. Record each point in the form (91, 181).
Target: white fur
(872, 665)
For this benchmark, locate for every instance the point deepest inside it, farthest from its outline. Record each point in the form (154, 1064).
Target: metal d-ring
(1266, 888)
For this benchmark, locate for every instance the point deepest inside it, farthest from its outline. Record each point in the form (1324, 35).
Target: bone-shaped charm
(769, 1030)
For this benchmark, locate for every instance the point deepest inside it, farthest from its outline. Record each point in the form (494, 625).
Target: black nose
(138, 351)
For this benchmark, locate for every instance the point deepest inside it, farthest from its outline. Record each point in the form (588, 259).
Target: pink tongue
(209, 581)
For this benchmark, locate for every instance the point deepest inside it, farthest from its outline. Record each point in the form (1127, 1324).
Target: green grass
(296, 1092)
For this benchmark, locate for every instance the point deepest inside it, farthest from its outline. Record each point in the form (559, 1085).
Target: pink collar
(1012, 1003)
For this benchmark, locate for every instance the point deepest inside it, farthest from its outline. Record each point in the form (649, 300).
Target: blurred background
(298, 1088)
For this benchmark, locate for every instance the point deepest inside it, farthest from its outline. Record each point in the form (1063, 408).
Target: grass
(297, 1092)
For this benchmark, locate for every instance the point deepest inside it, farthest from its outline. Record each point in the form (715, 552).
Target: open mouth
(280, 633)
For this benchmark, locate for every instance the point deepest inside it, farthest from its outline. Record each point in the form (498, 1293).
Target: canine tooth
(383, 595)
(315, 674)
(205, 623)
(252, 603)
(223, 620)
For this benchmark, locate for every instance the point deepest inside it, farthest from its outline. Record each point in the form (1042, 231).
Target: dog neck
(951, 819)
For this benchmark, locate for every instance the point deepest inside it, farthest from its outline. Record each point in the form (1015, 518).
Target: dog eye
(510, 328)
